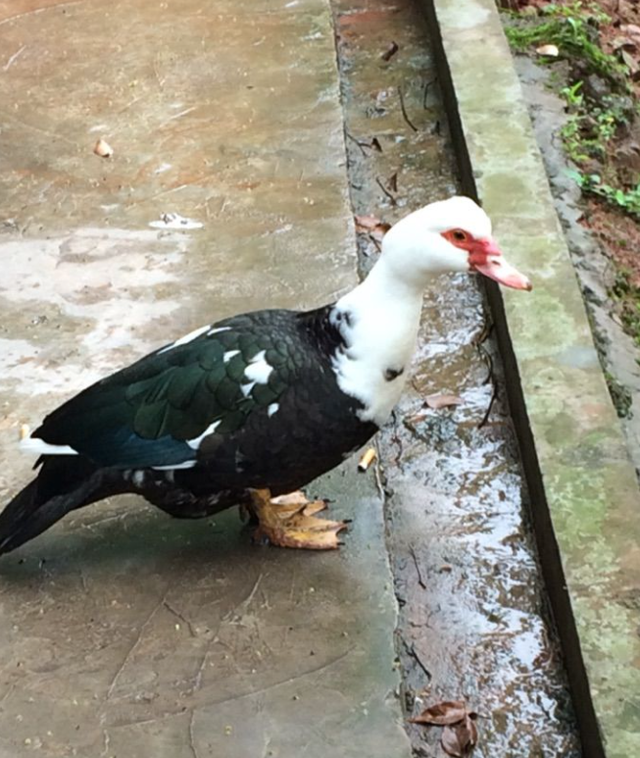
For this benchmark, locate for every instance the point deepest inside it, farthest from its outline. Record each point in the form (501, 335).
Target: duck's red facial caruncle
(486, 258)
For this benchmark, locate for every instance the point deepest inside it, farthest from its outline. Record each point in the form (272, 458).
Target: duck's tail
(63, 484)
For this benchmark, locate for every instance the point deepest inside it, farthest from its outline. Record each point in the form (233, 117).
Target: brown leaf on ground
(371, 225)
(630, 60)
(459, 739)
(442, 401)
(442, 714)
(390, 52)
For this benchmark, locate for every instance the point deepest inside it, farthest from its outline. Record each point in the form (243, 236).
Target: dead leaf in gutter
(460, 733)
(458, 740)
(390, 52)
(370, 224)
(442, 714)
(442, 401)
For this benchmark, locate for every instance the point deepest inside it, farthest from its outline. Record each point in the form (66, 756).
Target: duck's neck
(379, 321)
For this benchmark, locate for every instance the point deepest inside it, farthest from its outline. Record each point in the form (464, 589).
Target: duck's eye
(458, 235)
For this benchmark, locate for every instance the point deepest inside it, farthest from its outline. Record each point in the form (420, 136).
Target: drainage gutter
(585, 502)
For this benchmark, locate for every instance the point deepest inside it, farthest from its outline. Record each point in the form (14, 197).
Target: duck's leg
(289, 521)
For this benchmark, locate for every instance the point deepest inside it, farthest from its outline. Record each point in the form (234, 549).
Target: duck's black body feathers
(249, 402)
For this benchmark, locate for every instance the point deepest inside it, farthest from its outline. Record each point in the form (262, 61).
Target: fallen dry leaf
(549, 50)
(459, 739)
(442, 401)
(390, 52)
(630, 60)
(373, 227)
(370, 224)
(631, 29)
(450, 742)
(103, 149)
(442, 714)
(367, 459)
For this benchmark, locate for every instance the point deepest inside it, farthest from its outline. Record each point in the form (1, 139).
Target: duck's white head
(447, 236)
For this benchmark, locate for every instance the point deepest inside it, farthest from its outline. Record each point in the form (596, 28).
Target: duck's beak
(487, 259)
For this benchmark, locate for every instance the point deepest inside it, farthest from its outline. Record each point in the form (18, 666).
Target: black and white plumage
(261, 401)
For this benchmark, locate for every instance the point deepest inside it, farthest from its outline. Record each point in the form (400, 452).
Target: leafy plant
(574, 30)
(626, 200)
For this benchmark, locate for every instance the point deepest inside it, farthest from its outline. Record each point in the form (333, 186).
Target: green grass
(590, 127)
(574, 30)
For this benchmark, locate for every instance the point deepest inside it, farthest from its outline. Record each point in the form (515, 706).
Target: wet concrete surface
(124, 633)
(473, 621)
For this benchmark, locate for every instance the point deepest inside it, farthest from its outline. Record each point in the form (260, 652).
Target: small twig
(485, 418)
(375, 242)
(417, 565)
(412, 652)
(14, 58)
(427, 87)
(486, 331)
(361, 145)
(386, 192)
(488, 359)
(179, 615)
(404, 110)
(378, 476)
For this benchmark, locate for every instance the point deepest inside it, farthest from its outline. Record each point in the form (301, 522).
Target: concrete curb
(583, 488)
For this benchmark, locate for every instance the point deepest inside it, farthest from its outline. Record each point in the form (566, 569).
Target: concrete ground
(126, 634)
(122, 632)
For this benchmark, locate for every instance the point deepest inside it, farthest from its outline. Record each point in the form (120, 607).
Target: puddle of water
(78, 305)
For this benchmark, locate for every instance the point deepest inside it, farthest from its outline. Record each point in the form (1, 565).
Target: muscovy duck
(250, 408)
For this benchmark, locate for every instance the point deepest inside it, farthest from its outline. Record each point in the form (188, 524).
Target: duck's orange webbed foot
(290, 521)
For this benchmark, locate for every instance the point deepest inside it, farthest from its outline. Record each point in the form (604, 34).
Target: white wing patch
(246, 388)
(40, 447)
(187, 338)
(258, 370)
(174, 466)
(217, 329)
(229, 355)
(273, 408)
(196, 441)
